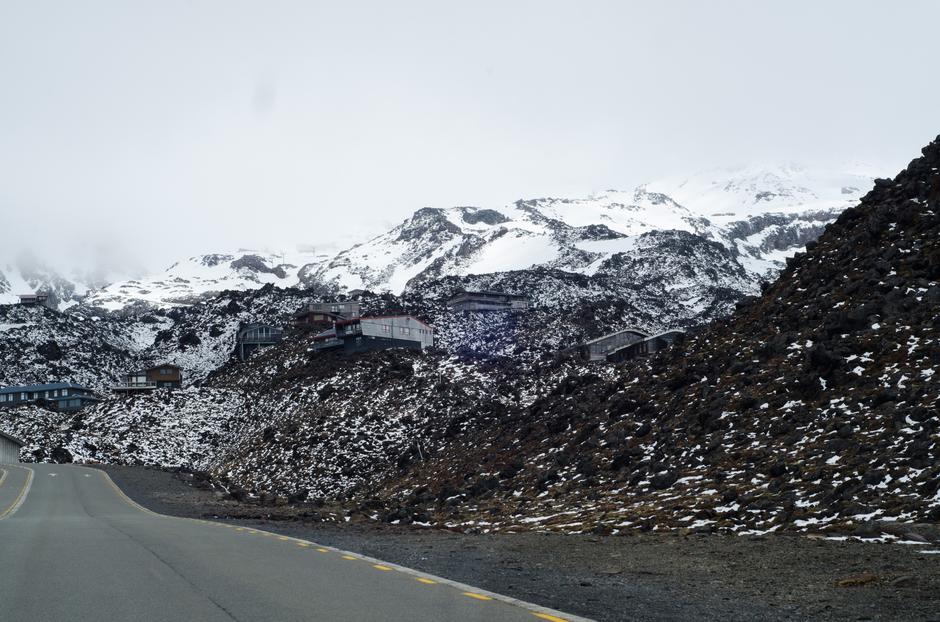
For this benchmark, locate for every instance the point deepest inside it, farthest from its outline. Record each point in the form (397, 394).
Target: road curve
(74, 547)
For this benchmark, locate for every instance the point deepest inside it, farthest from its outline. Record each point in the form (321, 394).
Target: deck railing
(135, 385)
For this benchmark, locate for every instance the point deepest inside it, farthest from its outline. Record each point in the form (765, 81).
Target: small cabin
(61, 396)
(256, 336)
(166, 376)
(36, 300)
(598, 349)
(10, 447)
(322, 315)
(376, 333)
(487, 301)
(650, 345)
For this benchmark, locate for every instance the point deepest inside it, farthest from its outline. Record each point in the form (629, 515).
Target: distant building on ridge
(487, 301)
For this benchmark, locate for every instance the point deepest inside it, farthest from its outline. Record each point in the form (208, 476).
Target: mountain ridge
(761, 215)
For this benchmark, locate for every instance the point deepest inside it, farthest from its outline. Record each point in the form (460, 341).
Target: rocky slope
(815, 406)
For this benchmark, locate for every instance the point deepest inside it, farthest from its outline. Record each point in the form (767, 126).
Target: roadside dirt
(640, 577)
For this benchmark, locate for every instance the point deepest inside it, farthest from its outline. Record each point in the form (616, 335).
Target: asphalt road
(73, 547)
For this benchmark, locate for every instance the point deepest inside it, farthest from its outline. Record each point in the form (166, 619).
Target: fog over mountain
(136, 135)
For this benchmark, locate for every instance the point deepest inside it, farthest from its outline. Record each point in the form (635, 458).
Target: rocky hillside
(815, 406)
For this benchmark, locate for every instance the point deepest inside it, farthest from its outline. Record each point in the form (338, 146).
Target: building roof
(634, 330)
(12, 439)
(30, 388)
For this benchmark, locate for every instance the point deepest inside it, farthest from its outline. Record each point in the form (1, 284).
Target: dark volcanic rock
(814, 406)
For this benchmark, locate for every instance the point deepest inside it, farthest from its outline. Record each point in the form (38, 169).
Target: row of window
(24, 396)
(405, 330)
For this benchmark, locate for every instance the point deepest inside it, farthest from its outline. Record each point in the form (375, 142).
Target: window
(405, 330)
(386, 328)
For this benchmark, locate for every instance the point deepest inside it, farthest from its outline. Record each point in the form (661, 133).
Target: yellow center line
(549, 617)
(21, 496)
(427, 581)
(349, 557)
(380, 567)
(303, 544)
(285, 538)
(477, 596)
(323, 550)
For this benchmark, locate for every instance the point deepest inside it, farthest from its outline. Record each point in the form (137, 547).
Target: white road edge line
(3, 476)
(22, 496)
(463, 587)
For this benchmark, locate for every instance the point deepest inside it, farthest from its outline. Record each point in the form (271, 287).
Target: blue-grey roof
(29, 388)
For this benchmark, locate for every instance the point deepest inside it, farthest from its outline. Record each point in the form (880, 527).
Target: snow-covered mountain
(189, 280)
(24, 274)
(760, 215)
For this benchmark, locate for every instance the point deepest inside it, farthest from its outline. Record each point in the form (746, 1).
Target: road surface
(73, 547)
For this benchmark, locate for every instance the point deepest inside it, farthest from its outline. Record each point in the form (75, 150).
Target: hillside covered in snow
(811, 406)
(759, 216)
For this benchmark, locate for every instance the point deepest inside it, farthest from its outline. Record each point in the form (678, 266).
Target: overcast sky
(155, 130)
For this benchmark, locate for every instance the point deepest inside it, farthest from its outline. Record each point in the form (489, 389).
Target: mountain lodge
(322, 315)
(62, 396)
(487, 301)
(376, 333)
(255, 336)
(36, 300)
(164, 376)
(622, 345)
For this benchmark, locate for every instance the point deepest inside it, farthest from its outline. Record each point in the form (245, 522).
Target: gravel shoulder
(637, 577)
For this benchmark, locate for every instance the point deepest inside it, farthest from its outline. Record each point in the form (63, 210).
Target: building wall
(479, 305)
(400, 328)
(175, 376)
(9, 451)
(370, 344)
(27, 397)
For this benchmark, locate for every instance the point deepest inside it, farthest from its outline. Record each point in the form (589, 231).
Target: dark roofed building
(623, 345)
(487, 301)
(255, 336)
(63, 396)
(376, 333)
(36, 300)
(598, 349)
(166, 376)
(651, 344)
(322, 315)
